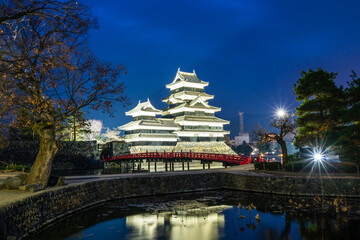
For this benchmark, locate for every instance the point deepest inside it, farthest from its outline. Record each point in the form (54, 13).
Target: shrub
(272, 166)
(293, 157)
(15, 167)
(260, 165)
(298, 166)
(349, 167)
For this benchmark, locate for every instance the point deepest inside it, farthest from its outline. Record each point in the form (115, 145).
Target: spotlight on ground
(318, 157)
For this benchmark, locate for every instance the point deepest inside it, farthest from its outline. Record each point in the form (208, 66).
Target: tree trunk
(40, 171)
(284, 151)
(74, 131)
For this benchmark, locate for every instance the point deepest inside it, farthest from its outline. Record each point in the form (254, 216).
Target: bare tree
(285, 126)
(54, 74)
(17, 9)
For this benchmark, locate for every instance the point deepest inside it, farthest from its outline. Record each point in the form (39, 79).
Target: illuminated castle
(188, 123)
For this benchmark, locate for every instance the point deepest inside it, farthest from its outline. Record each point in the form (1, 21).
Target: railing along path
(235, 159)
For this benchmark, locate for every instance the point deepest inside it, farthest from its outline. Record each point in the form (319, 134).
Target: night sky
(250, 51)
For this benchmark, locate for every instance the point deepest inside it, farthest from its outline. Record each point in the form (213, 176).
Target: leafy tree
(350, 131)
(244, 149)
(52, 73)
(75, 127)
(285, 128)
(322, 103)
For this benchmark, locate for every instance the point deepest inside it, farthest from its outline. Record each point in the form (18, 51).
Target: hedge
(298, 166)
(16, 167)
(272, 166)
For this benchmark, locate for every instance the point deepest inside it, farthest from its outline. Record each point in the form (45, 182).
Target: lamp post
(280, 113)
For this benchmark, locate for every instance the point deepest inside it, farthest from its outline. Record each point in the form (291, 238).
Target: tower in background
(243, 136)
(241, 116)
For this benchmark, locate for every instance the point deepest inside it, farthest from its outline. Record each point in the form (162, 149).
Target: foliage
(349, 168)
(243, 149)
(293, 157)
(271, 166)
(329, 114)
(50, 73)
(350, 131)
(320, 111)
(74, 128)
(311, 167)
(22, 134)
(298, 166)
(15, 167)
(259, 165)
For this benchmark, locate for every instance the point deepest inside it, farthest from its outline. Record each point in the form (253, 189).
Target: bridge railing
(182, 155)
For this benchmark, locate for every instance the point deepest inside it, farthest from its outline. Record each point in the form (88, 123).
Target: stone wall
(114, 148)
(204, 147)
(284, 185)
(21, 217)
(24, 216)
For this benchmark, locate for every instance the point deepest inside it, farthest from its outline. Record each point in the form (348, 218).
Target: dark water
(213, 215)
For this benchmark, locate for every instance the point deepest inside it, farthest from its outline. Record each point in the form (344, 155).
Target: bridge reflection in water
(169, 160)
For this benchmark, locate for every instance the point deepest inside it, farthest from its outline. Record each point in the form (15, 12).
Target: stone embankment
(21, 217)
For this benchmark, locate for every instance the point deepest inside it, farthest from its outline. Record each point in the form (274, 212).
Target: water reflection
(191, 223)
(209, 215)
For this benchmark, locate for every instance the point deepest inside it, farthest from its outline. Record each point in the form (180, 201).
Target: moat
(213, 215)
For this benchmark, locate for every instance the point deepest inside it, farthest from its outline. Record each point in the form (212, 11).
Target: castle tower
(200, 130)
(146, 132)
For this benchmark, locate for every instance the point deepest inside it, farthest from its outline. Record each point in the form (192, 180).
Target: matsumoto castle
(187, 124)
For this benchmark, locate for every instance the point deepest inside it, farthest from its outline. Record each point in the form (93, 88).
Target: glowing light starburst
(318, 156)
(280, 113)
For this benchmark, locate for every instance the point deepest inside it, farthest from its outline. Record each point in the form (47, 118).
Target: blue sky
(250, 51)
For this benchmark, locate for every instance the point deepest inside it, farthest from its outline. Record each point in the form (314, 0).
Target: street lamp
(280, 113)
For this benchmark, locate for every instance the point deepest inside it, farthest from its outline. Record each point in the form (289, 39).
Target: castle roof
(187, 95)
(186, 78)
(151, 124)
(145, 108)
(201, 119)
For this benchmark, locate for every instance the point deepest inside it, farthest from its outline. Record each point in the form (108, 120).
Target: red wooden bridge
(181, 156)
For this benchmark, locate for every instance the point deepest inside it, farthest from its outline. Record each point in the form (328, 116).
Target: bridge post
(188, 165)
(203, 165)
(155, 165)
(208, 165)
(183, 165)
(133, 165)
(149, 165)
(166, 166)
(173, 168)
